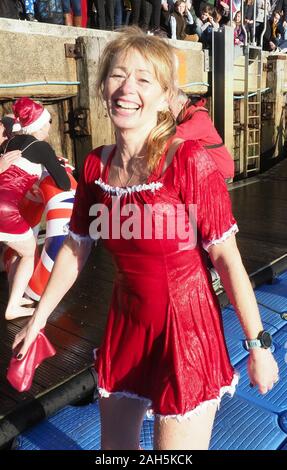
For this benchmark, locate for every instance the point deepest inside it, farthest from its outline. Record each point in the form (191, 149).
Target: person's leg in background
(119, 13)
(155, 16)
(100, 14)
(67, 12)
(77, 12)
(30, 10)
(110, 14)
(127, 12)
(145, 15)
(136, 10)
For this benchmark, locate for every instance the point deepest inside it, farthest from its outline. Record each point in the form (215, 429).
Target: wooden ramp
(76, 327)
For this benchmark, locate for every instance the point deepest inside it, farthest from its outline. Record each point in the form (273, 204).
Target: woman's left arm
(225, 256)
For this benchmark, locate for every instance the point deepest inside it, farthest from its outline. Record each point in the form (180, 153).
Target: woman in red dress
(163, 347)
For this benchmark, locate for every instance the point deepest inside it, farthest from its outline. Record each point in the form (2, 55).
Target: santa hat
(30, 115)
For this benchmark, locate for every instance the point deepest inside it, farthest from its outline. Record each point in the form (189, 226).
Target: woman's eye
(117, 75)
(143, 80)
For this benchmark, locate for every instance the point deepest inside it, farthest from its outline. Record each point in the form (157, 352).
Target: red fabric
(21, 372)
(84, 13)
(14, 184)
(164, 337)
(27, 111)
(198, 126)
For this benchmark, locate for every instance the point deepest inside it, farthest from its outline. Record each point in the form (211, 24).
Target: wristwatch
(263, 340)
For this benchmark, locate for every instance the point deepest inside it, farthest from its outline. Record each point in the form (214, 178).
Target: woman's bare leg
(188, 434)
(24, 270)
(13, 264)
(121, 421)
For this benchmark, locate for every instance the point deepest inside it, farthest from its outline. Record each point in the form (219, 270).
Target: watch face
(266, 339)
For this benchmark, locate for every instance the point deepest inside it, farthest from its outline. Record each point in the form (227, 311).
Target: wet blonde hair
(162, 57)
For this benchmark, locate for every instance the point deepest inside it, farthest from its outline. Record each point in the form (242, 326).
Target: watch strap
(252, 343)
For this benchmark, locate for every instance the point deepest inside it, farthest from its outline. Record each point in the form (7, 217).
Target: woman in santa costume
(15, 182)
(163, 347)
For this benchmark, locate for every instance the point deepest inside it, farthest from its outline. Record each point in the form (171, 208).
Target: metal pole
(242, 22)
(254, 23)
(230, 12)
(265, 23)
(222, 83)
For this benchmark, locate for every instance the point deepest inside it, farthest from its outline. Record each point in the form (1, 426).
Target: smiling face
(132, 92)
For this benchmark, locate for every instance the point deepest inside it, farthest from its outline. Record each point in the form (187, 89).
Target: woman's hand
(8, 158)
(27, 336)
(263, 369)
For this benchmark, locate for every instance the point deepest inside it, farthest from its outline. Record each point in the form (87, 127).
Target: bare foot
(18, 312)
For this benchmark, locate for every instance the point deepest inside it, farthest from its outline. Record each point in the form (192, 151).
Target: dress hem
(16, 237)
(230, 389)
(233, 230)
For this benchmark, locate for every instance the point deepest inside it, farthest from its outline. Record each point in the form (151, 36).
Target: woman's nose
(128, 84)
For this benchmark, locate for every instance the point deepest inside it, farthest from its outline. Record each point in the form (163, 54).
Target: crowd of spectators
(189, 20)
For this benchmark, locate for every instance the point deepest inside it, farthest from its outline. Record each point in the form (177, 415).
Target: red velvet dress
(164, 338)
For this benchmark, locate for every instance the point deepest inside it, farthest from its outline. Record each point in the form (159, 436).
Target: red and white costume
(15, 182)
(164, 339)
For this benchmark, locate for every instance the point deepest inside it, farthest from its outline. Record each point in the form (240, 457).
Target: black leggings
(146, 12)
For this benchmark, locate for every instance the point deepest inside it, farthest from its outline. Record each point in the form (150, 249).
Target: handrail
(20, 85)
(242, 22)
(265, 23)
(240, 97)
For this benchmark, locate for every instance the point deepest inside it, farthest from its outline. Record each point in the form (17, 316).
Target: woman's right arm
(48, 158)
(8, 159)
(72, 254)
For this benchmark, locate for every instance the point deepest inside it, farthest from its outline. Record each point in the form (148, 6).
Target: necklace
(127, 182)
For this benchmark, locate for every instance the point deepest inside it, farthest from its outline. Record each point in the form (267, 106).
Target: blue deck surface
(248, 421)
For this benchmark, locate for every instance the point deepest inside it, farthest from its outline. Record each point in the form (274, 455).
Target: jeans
(119, 11)
(74, 5)
(29, 6)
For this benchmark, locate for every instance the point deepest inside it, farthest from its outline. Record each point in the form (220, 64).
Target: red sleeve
(85, 195)
(204, 186)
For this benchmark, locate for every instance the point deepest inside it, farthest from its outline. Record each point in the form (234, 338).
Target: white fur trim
(79, 238)
(129, 189)
(233, 229)
(16, 237)
(39, 123)
(230, 389)
(16, 127)
(105, 394)
(30, 167)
